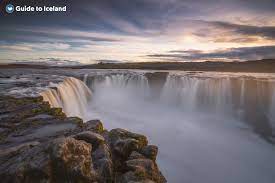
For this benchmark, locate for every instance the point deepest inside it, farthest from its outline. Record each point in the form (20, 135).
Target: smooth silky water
(209, 127)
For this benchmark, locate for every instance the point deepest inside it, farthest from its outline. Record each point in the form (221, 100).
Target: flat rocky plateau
(255, 66)
(40, 144)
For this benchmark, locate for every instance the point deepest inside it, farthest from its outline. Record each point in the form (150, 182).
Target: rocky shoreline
(40, 144)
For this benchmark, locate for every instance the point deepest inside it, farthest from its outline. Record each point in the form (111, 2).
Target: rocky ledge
(40, 144)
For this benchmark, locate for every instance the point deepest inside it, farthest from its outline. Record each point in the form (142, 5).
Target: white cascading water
(72, 95)
(135, 85)
(272, 108)
(221, 95)
(198, 94)
(197, 122)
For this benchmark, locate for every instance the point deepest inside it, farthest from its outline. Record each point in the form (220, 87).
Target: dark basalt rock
(25, 164)
(71, 161)
(136, 155)
(129, 163)
(94, 125)
(150, 152)
(121, 134)
(142, 169)
(61, 160)
(92, 138)
(40, 144)
(103, 163)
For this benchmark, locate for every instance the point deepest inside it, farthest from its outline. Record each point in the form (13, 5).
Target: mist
(202, 129)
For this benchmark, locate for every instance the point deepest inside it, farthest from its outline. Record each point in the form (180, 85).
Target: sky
(139, 31)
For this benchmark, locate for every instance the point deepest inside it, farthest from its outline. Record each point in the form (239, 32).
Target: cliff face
(40, 144)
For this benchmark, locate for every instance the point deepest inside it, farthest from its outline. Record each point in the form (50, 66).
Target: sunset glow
(144, 30)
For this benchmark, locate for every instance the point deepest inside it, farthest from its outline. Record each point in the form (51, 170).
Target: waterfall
(85, 78)
(225, 94)
(232, 96)
(272, 108)
(72, 95)
(216, 119)
(180, 91)
(247, 99)
(135, 85)
(192, 93)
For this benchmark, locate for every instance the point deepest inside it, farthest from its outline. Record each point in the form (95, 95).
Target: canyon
(196, 119)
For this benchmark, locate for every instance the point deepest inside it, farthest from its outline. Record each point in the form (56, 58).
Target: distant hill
(267, 65)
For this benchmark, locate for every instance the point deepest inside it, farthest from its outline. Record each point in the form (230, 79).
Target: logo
(9, 8)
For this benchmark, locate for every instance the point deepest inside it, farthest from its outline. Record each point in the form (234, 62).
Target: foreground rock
(40, 144)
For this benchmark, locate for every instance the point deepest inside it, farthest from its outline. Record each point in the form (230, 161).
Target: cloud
(222, 33)
(126, 29)
(34, 46)
(267, 32)
(17, 47)
(243, 53)
(52, 46)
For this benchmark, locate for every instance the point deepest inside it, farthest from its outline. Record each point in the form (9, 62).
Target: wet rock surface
(40, 144)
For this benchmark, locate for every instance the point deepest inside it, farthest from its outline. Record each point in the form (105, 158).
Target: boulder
(122, 144)
(134, 178)
(90, 137)
(143, 169)
(62, 160)
(71, 161)
(150, 152)
(118, 134)
(103, 163)
(124, 147)
(75, 120)
(103, 151)
(135, 155)
(94, 126)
